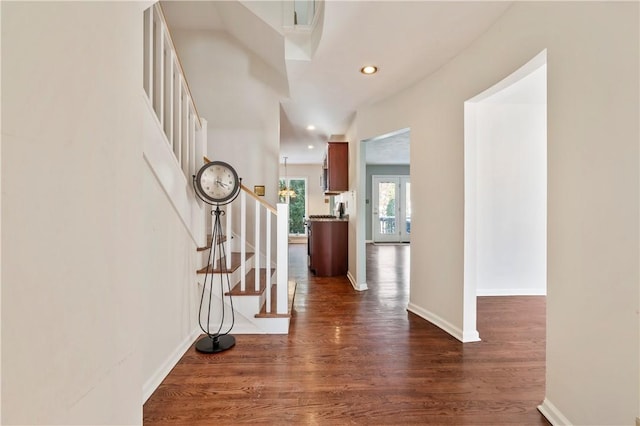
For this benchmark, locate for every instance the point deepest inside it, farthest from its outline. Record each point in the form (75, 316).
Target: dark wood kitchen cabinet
(336, 168)
(328, 247)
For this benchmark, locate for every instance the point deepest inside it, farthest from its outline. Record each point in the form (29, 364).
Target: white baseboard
(510, 292)
(358, 287)
(467, 337)
(551, 413)
(154, 381)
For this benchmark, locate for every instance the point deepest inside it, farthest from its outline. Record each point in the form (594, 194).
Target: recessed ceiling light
(310, 146)
(311, 127)
(369, 69)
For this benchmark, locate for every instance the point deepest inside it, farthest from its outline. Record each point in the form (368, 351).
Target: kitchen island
(328, 245)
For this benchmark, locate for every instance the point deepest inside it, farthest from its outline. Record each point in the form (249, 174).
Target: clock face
(217, 182)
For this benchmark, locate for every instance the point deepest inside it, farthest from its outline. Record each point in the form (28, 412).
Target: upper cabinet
(336, 168)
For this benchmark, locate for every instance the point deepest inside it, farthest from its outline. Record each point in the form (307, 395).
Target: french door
(391, 208)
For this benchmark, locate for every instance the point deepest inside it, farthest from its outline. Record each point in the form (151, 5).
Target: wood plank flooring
(360, 358)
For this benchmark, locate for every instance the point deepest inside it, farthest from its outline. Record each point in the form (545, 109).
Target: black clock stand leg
(215, 342)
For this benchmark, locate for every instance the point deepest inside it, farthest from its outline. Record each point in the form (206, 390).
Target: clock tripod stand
(217, 184)
(217, 341)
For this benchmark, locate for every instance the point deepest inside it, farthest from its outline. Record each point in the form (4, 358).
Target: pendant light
(286, 192)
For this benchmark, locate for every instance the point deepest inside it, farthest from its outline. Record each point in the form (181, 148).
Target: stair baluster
(256, 260)
(268, 260)
(243, 240)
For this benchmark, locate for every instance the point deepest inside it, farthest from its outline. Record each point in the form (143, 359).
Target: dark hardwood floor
(360, 358)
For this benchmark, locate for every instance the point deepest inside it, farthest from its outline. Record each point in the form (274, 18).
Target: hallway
(360, 358)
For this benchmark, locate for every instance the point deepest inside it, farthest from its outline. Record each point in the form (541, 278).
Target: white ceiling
(388, 149)
(406, 40)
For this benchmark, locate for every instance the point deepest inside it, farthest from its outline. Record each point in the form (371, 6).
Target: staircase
(258, 289)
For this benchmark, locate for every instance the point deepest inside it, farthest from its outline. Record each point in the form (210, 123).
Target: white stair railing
(168, 92)
(261, 244)
(174, 152)
(170, 98)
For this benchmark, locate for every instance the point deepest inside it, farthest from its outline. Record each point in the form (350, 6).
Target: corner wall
(593, 192)
(506, 187)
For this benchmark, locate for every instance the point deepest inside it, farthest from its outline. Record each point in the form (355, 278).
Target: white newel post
(243, 238)
(283, 258)
(256, 261)
(268, 260)
(229, 235)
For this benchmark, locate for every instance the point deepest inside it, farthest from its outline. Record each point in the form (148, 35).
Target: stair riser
(245, 322)
(246, 306)
(235, 247)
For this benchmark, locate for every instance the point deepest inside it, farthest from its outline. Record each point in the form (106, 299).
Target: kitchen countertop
(328, 219)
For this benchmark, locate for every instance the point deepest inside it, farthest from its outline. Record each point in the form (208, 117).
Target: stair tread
(291, 291)
(221, 239)
(236, 260)
(250, 281)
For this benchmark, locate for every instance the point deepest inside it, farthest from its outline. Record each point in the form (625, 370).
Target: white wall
(71, 186)
(98, 268)
(511, 189)
(241, 108)
(593, 192)
(170, 286)
(357, 170)
(243, 112)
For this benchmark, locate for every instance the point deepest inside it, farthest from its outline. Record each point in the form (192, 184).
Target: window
(297, 203)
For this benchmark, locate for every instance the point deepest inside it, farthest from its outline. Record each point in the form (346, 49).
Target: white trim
(358, 287)
(163, 164)
(552, 414)
(438, 321)
(511, 292)
(161, 373)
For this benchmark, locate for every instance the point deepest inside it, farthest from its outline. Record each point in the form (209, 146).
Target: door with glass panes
(391, 208)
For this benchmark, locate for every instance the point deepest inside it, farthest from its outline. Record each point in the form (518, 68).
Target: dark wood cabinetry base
(328, 247)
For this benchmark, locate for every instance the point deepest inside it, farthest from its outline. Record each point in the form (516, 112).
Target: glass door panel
(387, 207)
(391, 208)
(384, 209)
(406, 229)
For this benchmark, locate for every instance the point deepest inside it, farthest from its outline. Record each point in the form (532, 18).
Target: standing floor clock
(217, 184)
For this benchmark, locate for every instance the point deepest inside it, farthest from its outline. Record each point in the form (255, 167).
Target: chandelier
(286, 192)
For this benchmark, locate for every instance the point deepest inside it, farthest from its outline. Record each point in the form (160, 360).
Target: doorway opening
(384, 155)
(505, 244)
